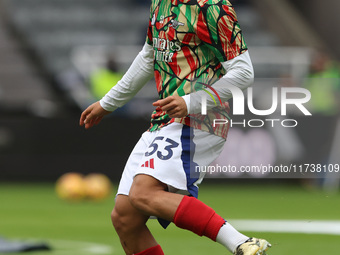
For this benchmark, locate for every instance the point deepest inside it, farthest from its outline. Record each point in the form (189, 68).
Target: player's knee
(146, 194)
(140, 199)
(116, 219)
(121, 222)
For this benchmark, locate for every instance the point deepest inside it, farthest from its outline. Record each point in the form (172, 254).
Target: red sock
(197, 217)
(156, 250)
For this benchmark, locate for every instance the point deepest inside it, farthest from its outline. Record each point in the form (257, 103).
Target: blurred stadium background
(58, 56)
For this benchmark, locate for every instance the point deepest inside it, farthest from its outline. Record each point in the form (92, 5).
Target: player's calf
(197, 217)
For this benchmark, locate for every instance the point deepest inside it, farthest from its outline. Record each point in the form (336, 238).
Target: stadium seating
(53, 28)
(21, 86)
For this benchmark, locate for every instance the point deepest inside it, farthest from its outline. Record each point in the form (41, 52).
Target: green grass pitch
(33, 212)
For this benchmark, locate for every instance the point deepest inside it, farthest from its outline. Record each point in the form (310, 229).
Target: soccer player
(193, 48)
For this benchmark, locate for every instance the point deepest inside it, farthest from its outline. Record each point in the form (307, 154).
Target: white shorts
(172, 155)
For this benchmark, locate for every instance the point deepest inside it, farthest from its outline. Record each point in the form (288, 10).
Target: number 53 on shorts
(163, 146)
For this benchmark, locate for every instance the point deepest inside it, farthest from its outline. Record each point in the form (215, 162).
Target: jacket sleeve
(138, 74)
(239, 73)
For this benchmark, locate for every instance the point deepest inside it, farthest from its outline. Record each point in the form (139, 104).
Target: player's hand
(174, 106)
(92, 115)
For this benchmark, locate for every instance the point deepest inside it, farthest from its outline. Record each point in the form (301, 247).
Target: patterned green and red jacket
(191, 38)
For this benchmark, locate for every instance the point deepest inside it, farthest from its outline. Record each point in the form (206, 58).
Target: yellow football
(71, 186)
(97, 186)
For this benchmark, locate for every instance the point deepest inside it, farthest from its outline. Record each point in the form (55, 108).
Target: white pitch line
(289, 226)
